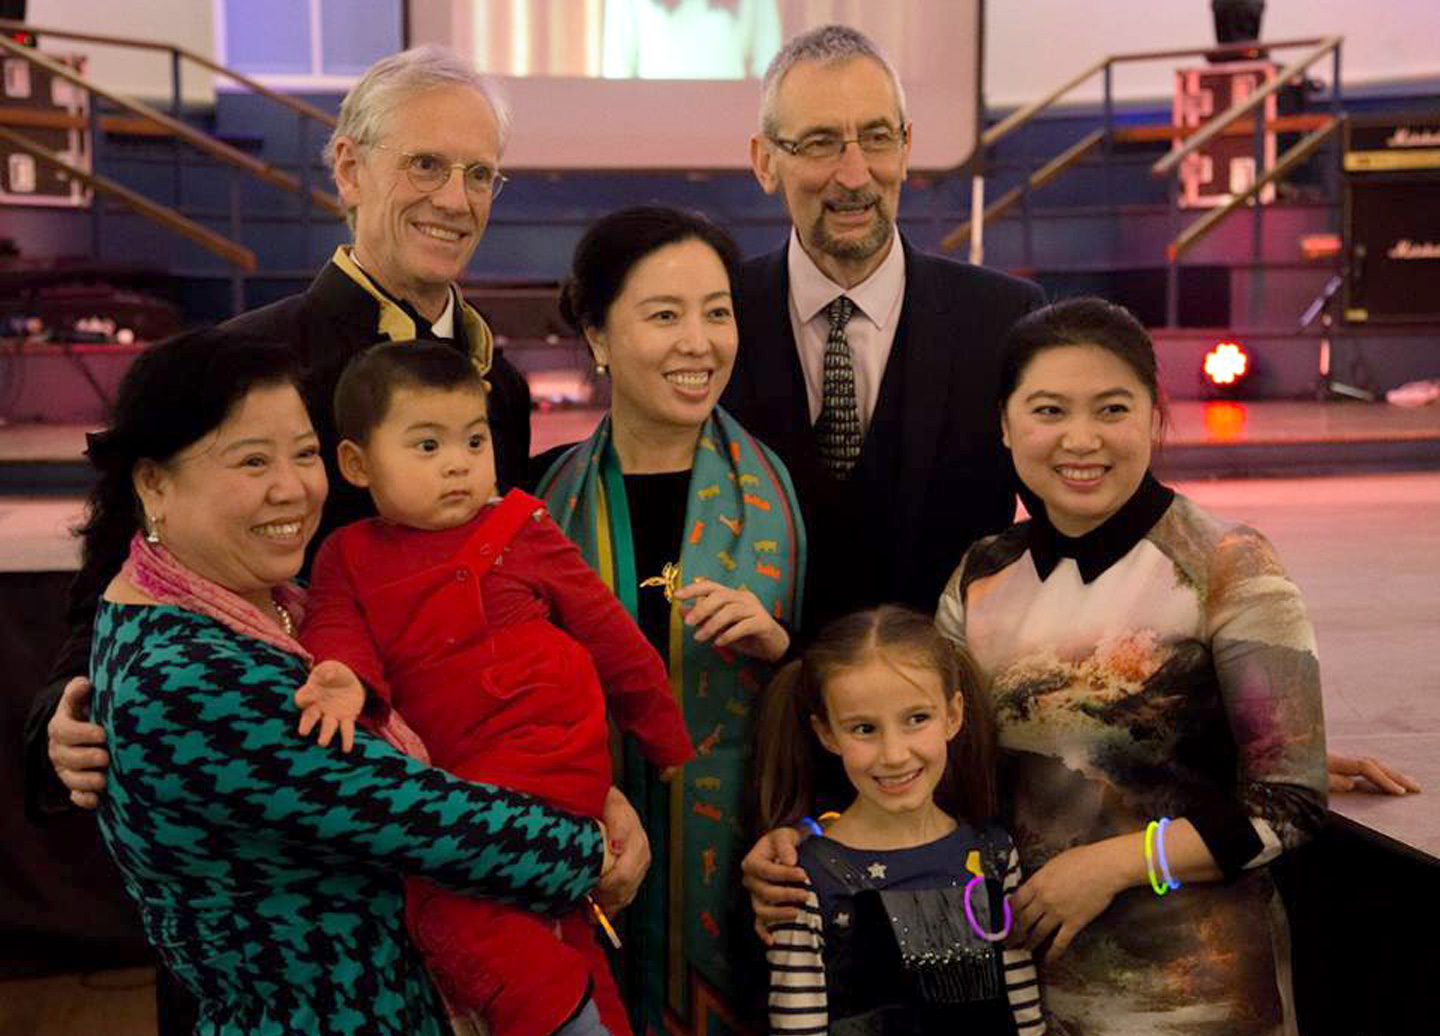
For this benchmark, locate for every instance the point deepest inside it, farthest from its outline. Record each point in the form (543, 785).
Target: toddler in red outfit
(480, 622)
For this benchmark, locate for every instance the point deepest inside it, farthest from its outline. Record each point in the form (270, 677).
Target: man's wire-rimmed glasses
(428, 172)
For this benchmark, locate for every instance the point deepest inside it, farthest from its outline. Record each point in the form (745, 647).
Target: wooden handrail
(1243, 47)
(167, 217)
(1296, 154)
(1217, 125)
(51, 118)
(295, 105)
(1163, 132)
(199, 141)
(1039, 178)
(1021, 116)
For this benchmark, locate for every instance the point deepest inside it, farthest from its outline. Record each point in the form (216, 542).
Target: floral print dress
(1160, 665)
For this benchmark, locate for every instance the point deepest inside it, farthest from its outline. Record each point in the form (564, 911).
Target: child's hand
(334, 698)
(733, 618)
(670, 773)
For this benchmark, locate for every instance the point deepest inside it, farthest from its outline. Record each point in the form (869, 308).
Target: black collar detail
(1101, 547)
(424, 331)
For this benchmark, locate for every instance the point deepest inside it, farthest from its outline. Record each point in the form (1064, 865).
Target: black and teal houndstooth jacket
(268, 870)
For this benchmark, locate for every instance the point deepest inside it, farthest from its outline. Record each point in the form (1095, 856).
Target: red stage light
(1227, 364)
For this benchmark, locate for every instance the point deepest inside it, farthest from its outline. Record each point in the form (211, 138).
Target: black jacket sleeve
(509, 422)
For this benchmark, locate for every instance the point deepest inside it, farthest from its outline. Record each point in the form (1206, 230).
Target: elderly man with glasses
(870, 367)
(416, 159)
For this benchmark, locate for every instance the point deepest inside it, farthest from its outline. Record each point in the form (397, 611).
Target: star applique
(877, 871)
(842, 920)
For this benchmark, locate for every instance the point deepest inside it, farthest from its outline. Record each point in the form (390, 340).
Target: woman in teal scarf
(694, 525)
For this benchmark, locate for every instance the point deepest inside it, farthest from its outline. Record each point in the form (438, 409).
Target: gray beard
(856, 248)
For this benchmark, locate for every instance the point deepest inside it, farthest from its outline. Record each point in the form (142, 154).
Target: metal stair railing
(195, 138)
(1169, 164)
(1228, 122)
(145, 119)
(230, 251)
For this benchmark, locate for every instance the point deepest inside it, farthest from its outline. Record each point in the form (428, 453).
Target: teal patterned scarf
(742, 529)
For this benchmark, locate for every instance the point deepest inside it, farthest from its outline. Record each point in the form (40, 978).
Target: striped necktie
(837, 431)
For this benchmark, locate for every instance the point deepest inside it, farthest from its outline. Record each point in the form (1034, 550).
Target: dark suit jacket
(933, 475)
(327, 324)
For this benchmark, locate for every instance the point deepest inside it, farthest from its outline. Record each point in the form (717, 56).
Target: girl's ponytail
(786, 750)
(969, 788)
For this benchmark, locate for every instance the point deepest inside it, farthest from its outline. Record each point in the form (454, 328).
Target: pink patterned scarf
(155, 572)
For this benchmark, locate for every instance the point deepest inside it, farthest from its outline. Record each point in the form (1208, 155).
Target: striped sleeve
(1022, 985)
(797, 974)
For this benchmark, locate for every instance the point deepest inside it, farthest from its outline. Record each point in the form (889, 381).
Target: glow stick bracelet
(1160, 852)
(970, 913)
(1155, 883)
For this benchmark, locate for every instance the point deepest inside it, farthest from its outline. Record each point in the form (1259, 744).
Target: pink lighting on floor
(1225, 421)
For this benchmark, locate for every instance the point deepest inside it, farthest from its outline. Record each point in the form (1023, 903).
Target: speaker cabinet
(1392, 237)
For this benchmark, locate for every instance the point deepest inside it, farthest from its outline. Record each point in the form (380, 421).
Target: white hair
(369, 107)
(826, 45)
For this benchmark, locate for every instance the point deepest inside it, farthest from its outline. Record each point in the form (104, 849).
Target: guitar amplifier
(1392, 220)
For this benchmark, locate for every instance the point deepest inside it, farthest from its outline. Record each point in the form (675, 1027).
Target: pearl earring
(152, 529)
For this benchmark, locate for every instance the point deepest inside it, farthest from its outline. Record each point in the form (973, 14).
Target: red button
(462, 574)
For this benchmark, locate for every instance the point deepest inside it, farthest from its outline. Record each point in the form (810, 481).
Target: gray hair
(826, 45)
(368, 108)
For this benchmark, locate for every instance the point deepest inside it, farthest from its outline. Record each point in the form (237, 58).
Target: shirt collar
(1104, 545)
(444, 326)
(877, 296)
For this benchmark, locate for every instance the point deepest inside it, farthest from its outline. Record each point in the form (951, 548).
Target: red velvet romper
(454, 629)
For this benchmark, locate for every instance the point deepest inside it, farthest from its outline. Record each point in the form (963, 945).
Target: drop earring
(152, 529)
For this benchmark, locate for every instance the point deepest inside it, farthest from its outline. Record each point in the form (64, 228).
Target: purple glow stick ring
(970, 913)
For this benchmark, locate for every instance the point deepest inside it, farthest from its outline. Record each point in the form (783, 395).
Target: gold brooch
(668, 580)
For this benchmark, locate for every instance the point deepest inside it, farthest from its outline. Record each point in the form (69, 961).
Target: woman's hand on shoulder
(1062, 897)
(774, 879)
(733, 618)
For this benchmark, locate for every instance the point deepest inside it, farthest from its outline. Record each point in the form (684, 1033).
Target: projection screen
(675, 84)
